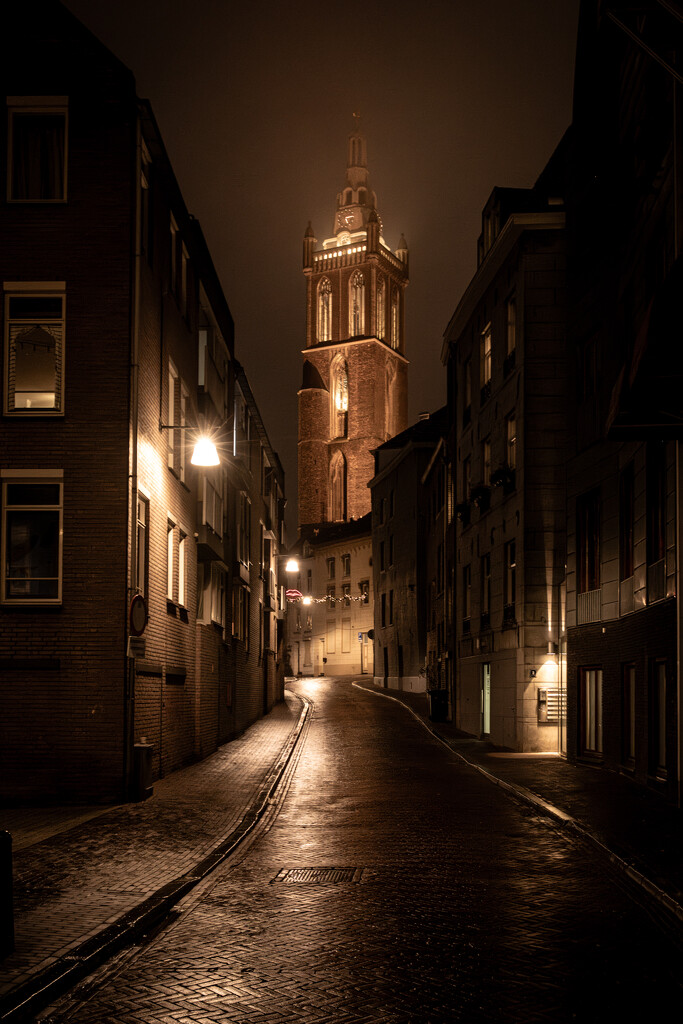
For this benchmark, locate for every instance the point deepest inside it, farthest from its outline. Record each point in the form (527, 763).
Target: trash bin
(438, 705)
(142, 771)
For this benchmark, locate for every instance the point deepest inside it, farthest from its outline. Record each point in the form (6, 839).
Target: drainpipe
(129, 702)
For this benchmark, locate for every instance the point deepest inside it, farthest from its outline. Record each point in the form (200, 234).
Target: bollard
(6, 898)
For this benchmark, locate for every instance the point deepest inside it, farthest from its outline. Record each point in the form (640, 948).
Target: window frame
(29, 477)
(36, 290)
(31, 106)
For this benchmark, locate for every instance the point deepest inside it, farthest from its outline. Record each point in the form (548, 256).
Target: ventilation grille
(319, 876)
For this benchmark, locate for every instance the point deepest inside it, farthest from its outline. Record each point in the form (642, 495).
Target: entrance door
(486, 698)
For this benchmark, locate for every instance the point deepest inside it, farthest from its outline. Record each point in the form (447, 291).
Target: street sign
(360, 638)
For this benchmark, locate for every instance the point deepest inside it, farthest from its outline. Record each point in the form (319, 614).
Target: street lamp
(204, 452)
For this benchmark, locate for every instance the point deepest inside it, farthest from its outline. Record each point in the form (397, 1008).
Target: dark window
(32, 542)
(590, 707)
(37, 171)
(588, 542)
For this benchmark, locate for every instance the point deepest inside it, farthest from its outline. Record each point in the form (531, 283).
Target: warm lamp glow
(205, 453)
(307, 600)
(292, 565)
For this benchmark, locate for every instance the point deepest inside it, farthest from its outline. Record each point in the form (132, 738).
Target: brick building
(353, 394)
(133, 627)
(505, 352)
(408, 570)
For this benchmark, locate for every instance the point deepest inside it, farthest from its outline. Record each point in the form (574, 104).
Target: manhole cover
(319, 875)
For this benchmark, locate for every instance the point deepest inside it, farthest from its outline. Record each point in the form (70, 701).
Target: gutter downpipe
(129, 703)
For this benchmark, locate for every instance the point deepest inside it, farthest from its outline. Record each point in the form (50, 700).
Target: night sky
(255, 102)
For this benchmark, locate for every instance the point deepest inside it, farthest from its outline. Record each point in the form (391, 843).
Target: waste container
(142, 771)
(438, 705)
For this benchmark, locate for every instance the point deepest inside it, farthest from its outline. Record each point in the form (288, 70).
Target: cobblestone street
(393, 884)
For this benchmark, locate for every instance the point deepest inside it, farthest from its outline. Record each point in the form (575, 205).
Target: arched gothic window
(324, 310)
(395, 337)
(339, 397)
(337, 491)
(356, 305)
(381, 308)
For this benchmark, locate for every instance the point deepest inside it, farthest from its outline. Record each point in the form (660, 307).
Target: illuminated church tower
(354, 389)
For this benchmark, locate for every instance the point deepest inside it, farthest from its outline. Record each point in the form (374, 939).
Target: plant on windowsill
(462, 511)
(504, 477)
(481, 497)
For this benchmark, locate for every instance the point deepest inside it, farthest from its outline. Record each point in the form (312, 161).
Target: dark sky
(255, 103)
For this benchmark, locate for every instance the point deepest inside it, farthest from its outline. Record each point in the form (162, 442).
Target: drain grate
(319, 876)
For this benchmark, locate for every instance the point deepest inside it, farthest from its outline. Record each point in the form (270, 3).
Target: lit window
(395, 335)
(356, 305)
(170, 558)
(37, 151)
(381, 311)
(182, 569)
(32, 539)
(339, 393)
(511, 431)
(142, 560)
(324, 310)
(34, 343)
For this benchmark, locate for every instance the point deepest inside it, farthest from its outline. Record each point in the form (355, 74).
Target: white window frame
(170, 558)
(36, 105)
(37, 290)
(31, 476)
(182, 567)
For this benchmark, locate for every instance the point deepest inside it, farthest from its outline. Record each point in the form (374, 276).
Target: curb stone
(51, 982)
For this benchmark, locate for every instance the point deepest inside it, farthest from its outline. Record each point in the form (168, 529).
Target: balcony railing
(588, 606)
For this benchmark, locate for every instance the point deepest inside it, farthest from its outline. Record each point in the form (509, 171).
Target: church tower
(354, 393)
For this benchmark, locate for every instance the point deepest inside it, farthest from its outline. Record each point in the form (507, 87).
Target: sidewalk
(633, 826)
(87, 879)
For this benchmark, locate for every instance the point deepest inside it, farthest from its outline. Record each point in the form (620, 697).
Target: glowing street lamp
(292, 565)
(205, 453)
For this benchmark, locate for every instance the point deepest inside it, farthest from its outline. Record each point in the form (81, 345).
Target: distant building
(408, 574)
(139, 592)
(353, 398)
(505, 350)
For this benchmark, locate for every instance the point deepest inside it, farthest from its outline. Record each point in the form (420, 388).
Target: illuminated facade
(354, 390)
(139, 599)
(505, 349)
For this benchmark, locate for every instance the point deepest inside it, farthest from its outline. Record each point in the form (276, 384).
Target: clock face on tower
(347, 218)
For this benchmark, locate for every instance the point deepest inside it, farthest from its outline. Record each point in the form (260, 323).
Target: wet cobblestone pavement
(394, 884)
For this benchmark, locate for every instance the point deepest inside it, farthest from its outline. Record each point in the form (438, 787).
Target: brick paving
(633, 822)
(456, 904)
(78, 871)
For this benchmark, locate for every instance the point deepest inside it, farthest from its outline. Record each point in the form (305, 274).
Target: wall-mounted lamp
(204, 452)
(292, 565)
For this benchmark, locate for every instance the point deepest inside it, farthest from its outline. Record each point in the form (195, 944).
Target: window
(324, 310)
(37, 151)
(240, 613)
(382, 559)
(217, 591)
(466, 591)
(244, 530)
(213, 508)
(32, 538)
(466, 478)
(309, 581)
(391, 502)
(337, 487)
(182, 569)
(339, 394)
(173, 418)
(391, 550)
(467, 392)
(331, 568)
(628, 714)
(395, 333)
(364, 587)
(590, 699)
(511, 440)
(170, 553)
(331, 597)
(485, 363)
(588, 542)
(391, 607)
(383, 608)
(356, 304)
(331, 636)
(346, 565)
(626, 518)
(511, 327)
(346, 636)
(657, 716)
(486, 462)
(34, 347)
(485, 591)
(142, 552)
(509, 582)
(381, 312)
(346, 594)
